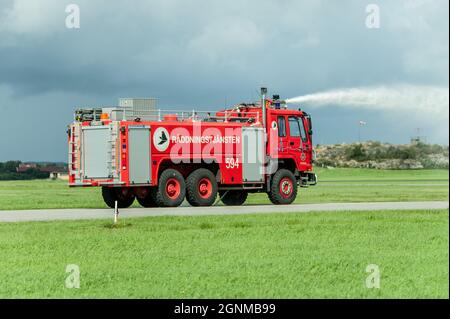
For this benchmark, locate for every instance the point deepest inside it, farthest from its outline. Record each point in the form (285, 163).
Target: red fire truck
(160, 158)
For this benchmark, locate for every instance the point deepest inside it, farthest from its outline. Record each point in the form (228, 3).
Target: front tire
(233, 197)
(171, 189)
(201, 188)
(283, 189)
(123, 196)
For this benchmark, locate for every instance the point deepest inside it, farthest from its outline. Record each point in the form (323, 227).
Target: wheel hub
(286, 187)
(205, 188)
(173, 188)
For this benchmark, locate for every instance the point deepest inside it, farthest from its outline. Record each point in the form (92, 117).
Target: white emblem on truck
(161, 139)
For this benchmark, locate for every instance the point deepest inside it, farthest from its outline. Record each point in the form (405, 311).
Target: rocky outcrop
(383, 156)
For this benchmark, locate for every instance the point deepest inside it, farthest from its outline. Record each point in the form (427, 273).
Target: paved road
(74, 214)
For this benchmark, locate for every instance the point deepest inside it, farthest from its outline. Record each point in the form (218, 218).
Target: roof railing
(180, 115)
(131, 114)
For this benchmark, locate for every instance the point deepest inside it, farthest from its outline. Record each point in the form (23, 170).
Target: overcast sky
(203, 54)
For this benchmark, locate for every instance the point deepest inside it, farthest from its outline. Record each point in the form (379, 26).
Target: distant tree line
(377, 151)
(383, 155)
(8, 171)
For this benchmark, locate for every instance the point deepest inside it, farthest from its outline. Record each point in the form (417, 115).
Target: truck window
(281, 126)
(303, 130)
(294, 127)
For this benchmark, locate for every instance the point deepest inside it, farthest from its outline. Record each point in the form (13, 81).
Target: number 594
(231, 162)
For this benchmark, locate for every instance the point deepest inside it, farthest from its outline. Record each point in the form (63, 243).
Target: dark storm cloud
(203, 53)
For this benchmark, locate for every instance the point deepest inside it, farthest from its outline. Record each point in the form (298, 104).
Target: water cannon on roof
(277, 102)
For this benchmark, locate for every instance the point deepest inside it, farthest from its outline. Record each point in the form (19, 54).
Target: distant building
(54, 171)
(59, 175)
(418, 138)
(23, 167)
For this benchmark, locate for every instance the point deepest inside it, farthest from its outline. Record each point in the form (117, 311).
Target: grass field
(250, 256)
(335, 185)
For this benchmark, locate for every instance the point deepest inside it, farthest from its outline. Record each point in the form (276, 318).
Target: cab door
(297, 140)
(306, 146)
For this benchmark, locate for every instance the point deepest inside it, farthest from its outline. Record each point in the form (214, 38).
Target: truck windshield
(297, 128)
(303, 130)
(294, 127)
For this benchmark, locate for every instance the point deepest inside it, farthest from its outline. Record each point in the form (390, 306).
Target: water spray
(429, 99)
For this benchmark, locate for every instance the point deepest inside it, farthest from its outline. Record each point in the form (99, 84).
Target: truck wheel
(201, 188)
(233, 197)
(171, 189)
(123, 197)
(283, 190)
(147, 201)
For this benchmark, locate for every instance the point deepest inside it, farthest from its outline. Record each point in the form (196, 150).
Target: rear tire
(201, 188)
(171, 189)
(233, 197)
(124, 197)
(283, 189)
(147, 201)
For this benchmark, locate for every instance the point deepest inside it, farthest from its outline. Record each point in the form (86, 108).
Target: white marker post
(116, 213)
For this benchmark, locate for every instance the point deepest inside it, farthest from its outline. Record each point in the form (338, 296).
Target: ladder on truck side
(113, 151)
(75, 151)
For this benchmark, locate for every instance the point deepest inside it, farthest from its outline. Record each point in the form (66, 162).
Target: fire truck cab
(161, 158)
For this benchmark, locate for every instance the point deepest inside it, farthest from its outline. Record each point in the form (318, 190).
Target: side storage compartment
(252, 154)
(96, 152)
(139, 154)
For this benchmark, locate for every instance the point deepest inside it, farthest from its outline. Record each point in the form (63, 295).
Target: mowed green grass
(313, 255)
(335, 185)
